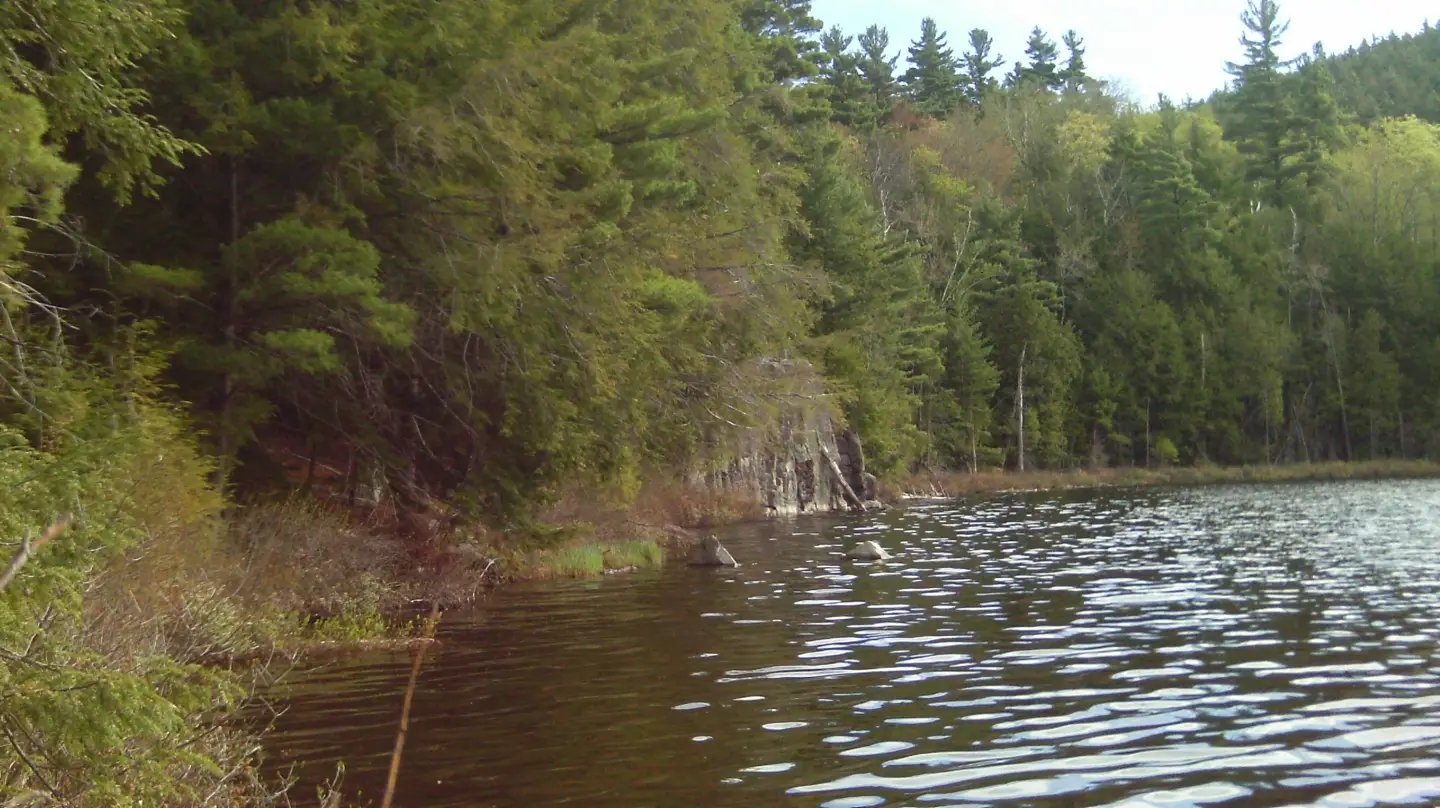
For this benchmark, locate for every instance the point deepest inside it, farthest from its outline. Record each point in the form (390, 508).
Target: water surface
(1236, 646)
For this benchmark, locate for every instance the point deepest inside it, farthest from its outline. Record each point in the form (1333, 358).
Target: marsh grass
(584, 559)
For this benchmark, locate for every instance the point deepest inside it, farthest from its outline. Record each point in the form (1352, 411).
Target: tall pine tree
(1073, 76)
(980, 67)
(933, 83)
(1043, 68)
(1263, 120)
(877, 67)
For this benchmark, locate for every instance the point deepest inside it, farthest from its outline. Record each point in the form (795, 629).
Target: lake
(1239, 646)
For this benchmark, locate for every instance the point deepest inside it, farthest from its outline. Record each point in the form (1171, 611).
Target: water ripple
(1268, 646)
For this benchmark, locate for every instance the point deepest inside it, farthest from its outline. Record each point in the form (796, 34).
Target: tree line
(496, 248)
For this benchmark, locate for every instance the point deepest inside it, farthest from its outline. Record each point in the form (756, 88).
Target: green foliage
(1073, 75)
(84, 724)
(934, 84)
(877, 67)
(878, 328)
(35, 177)
(1263, 115)
(76, 59)
(980, 65)
(1043, 69)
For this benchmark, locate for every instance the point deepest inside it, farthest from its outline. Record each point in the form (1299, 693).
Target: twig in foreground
(28, 548)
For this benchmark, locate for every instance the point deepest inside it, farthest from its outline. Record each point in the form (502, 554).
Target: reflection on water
(1257, 646)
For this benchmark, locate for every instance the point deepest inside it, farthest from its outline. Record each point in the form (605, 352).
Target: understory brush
(133, 640)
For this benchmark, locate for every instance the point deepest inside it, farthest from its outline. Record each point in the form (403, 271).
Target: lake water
(1235, 646)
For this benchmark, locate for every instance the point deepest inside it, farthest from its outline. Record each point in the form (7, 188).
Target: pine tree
(1073, 76)
(78, 59)
(1318, 122)
(851, 101)
(980, 67)
(1263, 120)
(878, 67)
(962, 410)
(1042, 70)
(933, 83)
(786, 30)
(878, 331)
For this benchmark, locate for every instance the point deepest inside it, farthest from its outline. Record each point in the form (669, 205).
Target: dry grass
(954, 484)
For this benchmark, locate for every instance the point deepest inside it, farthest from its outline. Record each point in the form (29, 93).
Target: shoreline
(943, 485)
(619, 544)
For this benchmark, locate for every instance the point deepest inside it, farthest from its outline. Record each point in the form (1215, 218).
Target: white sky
(1178, 47)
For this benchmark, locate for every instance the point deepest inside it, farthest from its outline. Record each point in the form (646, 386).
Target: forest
(477, 254)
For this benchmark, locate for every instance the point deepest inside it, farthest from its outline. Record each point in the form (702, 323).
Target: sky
(1178, 47)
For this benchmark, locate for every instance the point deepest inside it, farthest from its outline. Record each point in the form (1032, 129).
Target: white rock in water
(710, 553)
(867, 551)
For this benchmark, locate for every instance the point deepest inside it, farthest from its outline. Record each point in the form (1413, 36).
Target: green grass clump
(586, 560)
(634, 554)
(577, 561)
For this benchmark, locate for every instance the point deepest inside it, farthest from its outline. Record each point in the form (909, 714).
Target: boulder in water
(867, 551)
(710, 553)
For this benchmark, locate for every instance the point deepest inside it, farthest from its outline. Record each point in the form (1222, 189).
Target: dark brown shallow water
(1239, 646)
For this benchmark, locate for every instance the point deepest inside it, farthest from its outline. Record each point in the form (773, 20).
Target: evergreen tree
(961, 409)
(1073, 76)
(786, 30)
(980, 67)
(878, 330)
(933, 83)
(1318, 121)
(1263, 119)
(1374, 384)
(851, 100)
(1042, 69)
(878, 67)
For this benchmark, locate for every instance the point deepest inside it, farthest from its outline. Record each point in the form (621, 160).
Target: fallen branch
(28, 548)
(856, 502)
(405, 708)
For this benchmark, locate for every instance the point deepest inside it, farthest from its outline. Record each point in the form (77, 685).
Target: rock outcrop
(711, 553)
(792, 461)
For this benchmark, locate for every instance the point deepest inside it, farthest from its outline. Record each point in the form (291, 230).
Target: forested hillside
(1387, 78)
(491, 249)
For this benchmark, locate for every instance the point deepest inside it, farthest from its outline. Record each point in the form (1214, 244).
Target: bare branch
(28, 548)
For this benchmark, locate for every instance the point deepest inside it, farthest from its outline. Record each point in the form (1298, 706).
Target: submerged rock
(710, 553)
(867, 551)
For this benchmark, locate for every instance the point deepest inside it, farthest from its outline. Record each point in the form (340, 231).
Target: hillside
(1391, 77)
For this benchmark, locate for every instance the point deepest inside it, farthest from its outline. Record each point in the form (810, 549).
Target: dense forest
(474, 253)
(371, 232)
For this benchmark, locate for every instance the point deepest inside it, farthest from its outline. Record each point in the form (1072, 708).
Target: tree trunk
(231, 313)
(1147, 432)
(856, 503)
(1020, 398)
(1404, 449)
(1340, 388)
